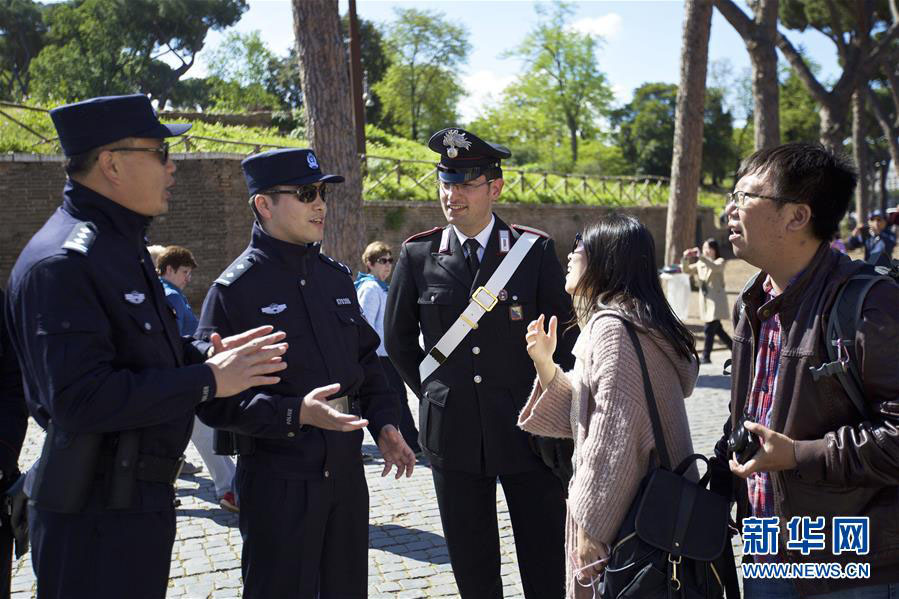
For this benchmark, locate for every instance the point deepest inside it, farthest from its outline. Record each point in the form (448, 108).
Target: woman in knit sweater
(601, 402)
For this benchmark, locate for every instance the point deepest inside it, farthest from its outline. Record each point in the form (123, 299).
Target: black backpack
(842, 325)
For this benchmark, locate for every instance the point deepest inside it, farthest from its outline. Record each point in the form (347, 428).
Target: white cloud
(481, 89)
(608, 26)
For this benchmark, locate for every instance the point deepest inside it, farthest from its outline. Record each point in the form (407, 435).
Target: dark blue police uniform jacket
(311, 297)
(98, 344)
(13, 414)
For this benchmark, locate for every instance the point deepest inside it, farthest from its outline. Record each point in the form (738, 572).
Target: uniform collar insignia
(273, 308)
(135, 297)
(453, 140)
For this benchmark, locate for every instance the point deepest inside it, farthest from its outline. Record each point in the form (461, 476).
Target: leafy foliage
(419, 90)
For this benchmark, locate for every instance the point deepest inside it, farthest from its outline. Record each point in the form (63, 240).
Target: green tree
(22, 35)
(239, 73)
(419, 90)
(97, 47)
(645, 132)
(798, 110)
(562, 79)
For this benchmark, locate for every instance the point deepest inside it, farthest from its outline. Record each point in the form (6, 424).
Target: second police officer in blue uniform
(104, 368)
(300, 479)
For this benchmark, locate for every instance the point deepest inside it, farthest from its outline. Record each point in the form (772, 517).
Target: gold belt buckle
(474, 298)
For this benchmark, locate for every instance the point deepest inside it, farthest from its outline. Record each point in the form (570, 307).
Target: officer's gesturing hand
(315, 412)
(219, 345)
(248, 365)
(395, 451)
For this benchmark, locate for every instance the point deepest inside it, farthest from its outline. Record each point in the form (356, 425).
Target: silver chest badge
(453, 140)
(273, 308)
(135, 297)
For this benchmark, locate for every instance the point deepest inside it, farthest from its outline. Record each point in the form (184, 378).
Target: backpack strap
(842, 326)
(661, 448)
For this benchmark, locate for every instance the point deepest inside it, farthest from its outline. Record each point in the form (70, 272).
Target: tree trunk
(760, 35)
(831, 117)
(765, 87)
(860, 155)
(889, 132)
(324, 77)
(884, 192)
(572, 132)
(686, 164)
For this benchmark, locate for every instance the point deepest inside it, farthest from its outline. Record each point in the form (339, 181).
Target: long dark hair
(713, 245)
(621, 270)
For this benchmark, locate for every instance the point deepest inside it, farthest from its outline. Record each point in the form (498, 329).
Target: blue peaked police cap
(86, 125)
(465, 156)
(288, 166)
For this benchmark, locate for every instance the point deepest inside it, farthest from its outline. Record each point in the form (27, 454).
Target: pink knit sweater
(602, 405)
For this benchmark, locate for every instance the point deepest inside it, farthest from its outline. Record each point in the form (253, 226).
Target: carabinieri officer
(300, 479)
(104, 368)
(476, 375)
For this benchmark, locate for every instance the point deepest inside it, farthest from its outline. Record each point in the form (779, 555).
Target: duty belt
(150, 468)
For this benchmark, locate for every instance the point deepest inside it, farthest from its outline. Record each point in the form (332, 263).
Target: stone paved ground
(407, 556)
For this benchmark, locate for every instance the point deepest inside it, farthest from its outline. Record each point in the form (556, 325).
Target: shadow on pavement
(713, 381)
(217, 515)
(413, 543)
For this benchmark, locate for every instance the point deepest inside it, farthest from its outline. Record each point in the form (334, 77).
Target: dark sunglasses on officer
(162, 151)
(304, 193)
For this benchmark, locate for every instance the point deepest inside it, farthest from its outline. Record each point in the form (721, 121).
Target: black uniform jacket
(470, 405)
(98, 345)
(300, 291)
(13, 414)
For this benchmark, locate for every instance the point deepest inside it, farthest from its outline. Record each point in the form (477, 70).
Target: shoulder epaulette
(81, 237)
(524, 229)
(235, 271)
(423, 233)
(338, 265)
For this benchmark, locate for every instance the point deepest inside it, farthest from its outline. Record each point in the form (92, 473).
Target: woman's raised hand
(541, 344)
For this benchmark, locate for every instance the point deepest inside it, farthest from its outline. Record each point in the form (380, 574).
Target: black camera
(741, 443)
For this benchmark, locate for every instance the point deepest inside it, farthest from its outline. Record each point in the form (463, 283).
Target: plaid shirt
(761, 492)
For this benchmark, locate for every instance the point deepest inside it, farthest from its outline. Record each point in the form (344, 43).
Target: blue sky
(642, 39)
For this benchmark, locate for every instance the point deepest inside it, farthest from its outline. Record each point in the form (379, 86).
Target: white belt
(482, 301)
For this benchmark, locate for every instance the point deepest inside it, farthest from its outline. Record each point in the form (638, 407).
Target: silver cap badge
(453, 140)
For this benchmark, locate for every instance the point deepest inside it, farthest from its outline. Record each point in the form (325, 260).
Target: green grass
(386, 178)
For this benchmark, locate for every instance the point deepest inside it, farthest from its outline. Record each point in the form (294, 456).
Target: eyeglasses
(739, 198)
(578, 243)
(162, 150)
(304, 193)
(386, 260)
(462, 187)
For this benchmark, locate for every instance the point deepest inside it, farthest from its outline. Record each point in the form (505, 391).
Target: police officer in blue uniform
(13, 423)
(470, 403)
(104, 368)
(300, 479)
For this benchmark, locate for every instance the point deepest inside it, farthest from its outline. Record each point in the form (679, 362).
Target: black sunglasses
(162, 150)
(304, 193)
(578, 240)
(384, 260)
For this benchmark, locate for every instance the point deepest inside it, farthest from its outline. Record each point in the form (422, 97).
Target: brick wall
(209, 215)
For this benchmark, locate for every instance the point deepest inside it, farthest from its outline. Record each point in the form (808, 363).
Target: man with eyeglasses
(814, 455)
(476, 375)
(104, 367)
(300, 479)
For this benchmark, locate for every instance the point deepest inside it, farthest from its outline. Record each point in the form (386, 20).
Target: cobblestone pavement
(407, 556)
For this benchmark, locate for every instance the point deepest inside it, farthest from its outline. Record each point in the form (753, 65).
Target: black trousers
(6, 544)
(407, 422)
(536, 502)
(106, 554)
(710, 330)
(304, 539)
